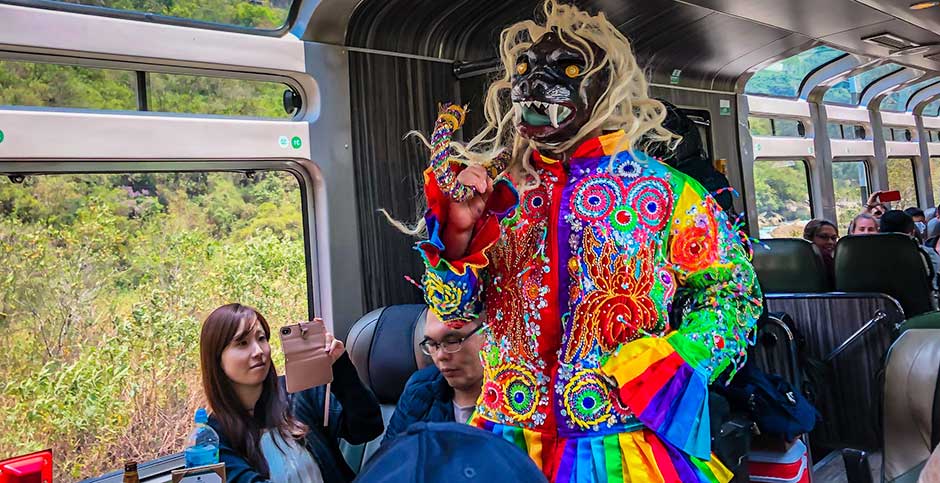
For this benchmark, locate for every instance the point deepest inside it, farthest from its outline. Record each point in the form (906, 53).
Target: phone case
(889, 196)
(306, 362)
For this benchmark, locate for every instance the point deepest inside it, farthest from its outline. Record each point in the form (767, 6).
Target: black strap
(935, 414)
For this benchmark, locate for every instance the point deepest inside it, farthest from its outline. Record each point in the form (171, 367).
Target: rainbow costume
(576, 276)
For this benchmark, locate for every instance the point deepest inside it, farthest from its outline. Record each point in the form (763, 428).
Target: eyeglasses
(430, 347)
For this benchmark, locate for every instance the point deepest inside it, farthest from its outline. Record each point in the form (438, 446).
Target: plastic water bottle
(203, 446)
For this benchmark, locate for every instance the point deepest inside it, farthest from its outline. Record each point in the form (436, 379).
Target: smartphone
(306, 362)
(889, 196)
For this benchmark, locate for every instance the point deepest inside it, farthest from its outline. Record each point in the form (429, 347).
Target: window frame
(292, 15)
(305, 179)
(806, 173)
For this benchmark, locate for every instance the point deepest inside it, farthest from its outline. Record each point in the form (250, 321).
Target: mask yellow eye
(522, 68)
(572, 71)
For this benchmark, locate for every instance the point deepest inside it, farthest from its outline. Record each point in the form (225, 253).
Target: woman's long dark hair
(237, 425)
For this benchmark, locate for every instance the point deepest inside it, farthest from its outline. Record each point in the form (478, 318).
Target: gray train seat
(789, 265)
(927, 320)
(889, 263)
(911, 404)
(383, 345)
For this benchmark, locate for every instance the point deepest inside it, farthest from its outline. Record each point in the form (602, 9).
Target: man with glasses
(448, 390)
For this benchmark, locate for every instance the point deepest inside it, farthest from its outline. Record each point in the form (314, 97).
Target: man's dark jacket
(427, 397)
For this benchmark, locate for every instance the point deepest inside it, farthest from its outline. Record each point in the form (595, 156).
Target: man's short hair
(897, 221)
(914, 211)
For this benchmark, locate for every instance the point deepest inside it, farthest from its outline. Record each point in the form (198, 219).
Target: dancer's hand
(462, 216)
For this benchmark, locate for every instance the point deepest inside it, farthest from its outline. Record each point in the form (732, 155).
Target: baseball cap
(449, 452)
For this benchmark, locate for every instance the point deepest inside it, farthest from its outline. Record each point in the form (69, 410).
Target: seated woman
(824, 235)
(863, 224)
(266, 434)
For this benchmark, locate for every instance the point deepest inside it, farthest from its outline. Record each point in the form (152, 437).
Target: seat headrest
(909, 392)
(889, 263)
(383, 346)
(789, 265)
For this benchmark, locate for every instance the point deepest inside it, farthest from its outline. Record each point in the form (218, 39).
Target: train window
(764, 126)
(781, 190)
(783, 78)
(215, 95)
(834, 131)
(252, 14)
(932, 109)
(107, 278)
(850, 182)
(935, 178)
(897, 101)
(52, 85)
(901, 134)
(850, 90)
(901, 178)
(845, 131)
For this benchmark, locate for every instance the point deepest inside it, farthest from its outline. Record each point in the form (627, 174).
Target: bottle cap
(201, 416)
(130, 466)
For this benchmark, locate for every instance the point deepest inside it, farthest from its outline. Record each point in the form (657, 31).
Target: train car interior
(162, 157)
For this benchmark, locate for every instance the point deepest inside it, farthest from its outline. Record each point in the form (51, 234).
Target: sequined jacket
(577, 278)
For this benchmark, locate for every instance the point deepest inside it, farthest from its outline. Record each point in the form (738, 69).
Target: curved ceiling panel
(666, 35)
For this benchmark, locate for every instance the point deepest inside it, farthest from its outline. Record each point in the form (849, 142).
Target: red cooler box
(773, 467)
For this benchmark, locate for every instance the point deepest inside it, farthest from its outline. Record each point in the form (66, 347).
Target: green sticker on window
(295, 142)
(1, 136)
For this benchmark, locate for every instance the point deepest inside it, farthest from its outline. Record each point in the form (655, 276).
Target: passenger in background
(917, 214)
(897, 221)
(264, 433)
(824, 235)
(919, 222)
(933, 224)
(863, 224)
(448, 390)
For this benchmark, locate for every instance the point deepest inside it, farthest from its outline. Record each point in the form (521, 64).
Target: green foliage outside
(781, 190)
(43, 85)
(783, 79)
(107, 280)
(52, 85)
(260, 14)
(935, 176)
(901, 178)
(850, 181)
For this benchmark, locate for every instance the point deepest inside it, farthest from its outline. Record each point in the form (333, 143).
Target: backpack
(778, 408)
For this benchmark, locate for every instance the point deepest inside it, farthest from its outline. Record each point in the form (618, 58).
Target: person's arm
(872, 201)
(459, 235)
(664, 380)
(354, 412)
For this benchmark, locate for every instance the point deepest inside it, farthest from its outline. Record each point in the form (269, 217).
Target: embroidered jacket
(577, 277)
